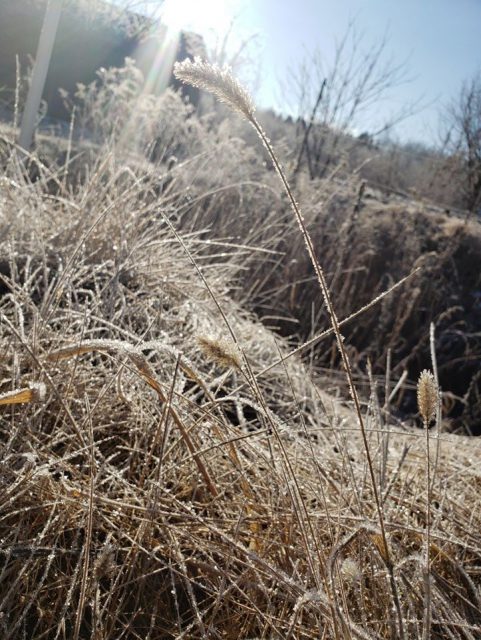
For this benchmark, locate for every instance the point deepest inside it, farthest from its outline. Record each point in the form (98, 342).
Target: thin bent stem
(427, 579)
(344, 357)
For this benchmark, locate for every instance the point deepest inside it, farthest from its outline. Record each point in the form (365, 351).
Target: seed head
(220, 351)
(427, 396)
(350, 570)
(216, 80)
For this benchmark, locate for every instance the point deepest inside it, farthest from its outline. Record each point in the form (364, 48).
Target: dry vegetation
(166, 470)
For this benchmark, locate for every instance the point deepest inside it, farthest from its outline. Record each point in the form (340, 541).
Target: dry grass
(364, 251)
(181, 477)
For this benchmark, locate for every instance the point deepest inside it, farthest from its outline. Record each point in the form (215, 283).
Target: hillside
(169, 468)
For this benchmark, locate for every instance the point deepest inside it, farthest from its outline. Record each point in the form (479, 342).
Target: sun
(203, 17)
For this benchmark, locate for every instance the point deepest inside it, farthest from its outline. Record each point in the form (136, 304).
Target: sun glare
(209, 16)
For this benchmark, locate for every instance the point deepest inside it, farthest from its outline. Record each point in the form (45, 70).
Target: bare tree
(330, 101)
(464, 122)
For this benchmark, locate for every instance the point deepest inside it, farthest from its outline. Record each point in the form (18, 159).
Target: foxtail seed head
(218, 81)
(427, 396)
(223, 353)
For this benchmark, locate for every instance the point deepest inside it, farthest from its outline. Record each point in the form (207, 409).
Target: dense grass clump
(172, 468)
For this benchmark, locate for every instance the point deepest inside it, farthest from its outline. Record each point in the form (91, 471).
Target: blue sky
(439, 40)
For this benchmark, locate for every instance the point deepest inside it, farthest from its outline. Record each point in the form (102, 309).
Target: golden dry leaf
(22, 396)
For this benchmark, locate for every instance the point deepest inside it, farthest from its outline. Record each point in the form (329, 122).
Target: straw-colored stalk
(428, 394)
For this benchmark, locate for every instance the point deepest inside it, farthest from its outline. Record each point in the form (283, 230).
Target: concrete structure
(91, 34)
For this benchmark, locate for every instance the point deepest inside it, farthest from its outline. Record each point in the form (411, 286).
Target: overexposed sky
(439, 41)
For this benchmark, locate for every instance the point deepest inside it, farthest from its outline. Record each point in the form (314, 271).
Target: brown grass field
(175, 461)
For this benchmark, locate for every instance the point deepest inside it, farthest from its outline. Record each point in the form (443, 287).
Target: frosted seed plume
(218, 81)
(427, 396)
(220, 351)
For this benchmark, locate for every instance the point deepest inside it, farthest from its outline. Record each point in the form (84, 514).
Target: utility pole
(42, 61)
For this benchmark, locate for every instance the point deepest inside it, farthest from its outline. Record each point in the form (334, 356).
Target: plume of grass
(427, 397)
(218, 81)
(220, 351)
